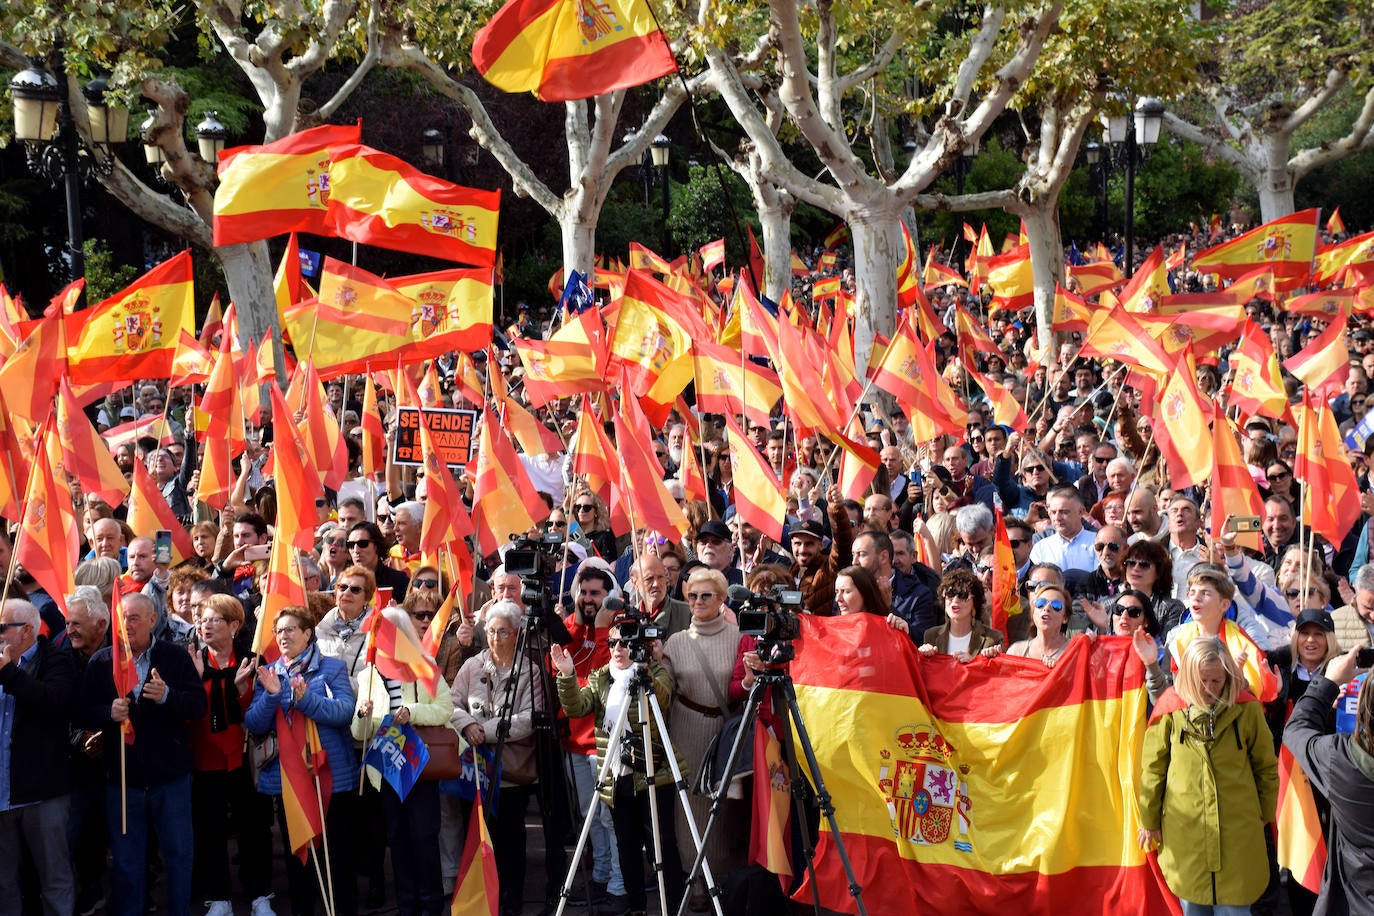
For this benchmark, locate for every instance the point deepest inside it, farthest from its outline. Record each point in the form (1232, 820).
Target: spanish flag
(504, 500)
(358, 319)
(133, 335)
(1256, 382)
(1234, 491)
(1094, 277)
(148, 511)
(936, 274)
(396, 653)
(384, 201)
(1148, 286)
(1180, 424)
(1334, 224)
(1331, 501)
(645, 497)
(1324, 304)
(1006, 600)
(86, 456)
(1324, 364)
(1301, 846)
(47, 541)
(725, 384)
(1333, 263)
(476, 892)
(1011, 279)
(758, 492)
(563, 50)
(451, 310)
(770, 833)
(908, 373)
(712, 255)
(278, 187)
(306, 780)
(573, 361)
(955, 790)
(1286, 244)
(1071, 312)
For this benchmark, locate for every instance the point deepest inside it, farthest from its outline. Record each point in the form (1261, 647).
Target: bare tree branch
(1214, 145)
(355, 79)
(1336, 79)
(1360, 137)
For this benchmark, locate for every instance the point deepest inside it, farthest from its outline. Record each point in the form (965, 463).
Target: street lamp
(964, 164)
(54, 146)
(1131, 138)
(210, 136)
(659, 149)
(1098, 167)
(152, 153)
(432, 147)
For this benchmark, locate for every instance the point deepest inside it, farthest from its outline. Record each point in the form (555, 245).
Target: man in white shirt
(1069, 545)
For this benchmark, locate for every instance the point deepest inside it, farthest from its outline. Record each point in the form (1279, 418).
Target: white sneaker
(262, 906)
(219, 908)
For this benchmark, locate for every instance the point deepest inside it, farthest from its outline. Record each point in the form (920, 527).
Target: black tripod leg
(746, 732)
(789, 754)
(822, 795)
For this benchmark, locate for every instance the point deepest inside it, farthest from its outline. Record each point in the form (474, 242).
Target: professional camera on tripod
(770, 618)
(534, 560)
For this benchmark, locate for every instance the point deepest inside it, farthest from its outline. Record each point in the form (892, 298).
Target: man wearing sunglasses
(1110, 576)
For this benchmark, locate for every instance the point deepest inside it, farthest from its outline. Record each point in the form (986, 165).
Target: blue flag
(577, 297)
(398, 753)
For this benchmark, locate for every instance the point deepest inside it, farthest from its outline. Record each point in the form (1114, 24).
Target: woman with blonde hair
(1209, 785)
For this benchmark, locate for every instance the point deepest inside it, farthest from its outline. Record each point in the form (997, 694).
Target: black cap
(1318, 616)
(714, 528)
(809, 529)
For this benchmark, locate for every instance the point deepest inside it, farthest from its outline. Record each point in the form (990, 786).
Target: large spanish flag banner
(1286, 245)
(279, 187)
(380, 200)
(133, 335)
(565, 49)
(972, 788)
(358, 319)
(451, 310)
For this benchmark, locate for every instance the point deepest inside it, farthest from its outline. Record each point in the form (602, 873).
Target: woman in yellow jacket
(412, 825)
(1209, 785)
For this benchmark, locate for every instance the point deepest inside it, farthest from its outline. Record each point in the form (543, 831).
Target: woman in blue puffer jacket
(304, 688)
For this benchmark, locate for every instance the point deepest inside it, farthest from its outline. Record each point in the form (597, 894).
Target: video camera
(770, 618)
(533, 560)
(635, 628)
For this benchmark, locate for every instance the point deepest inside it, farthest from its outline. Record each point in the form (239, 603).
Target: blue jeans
(167, 809)
(605, 859)
(1207, 909)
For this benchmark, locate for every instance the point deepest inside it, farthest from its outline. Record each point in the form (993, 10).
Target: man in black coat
(37, 694)
(166, 698)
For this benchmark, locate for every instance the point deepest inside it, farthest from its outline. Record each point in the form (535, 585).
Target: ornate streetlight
(1131, 138)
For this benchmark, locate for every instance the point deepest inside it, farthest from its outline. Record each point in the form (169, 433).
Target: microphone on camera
(739, 593)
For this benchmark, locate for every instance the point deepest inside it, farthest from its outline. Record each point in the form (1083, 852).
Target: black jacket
(45, 698)
(161, 751)
(393, 579)
(1344, 773)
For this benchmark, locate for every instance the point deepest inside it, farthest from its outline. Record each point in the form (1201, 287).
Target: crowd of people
(1243, 648)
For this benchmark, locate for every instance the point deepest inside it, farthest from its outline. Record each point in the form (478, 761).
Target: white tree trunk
(1046, 255)
(775, 216)
(248, 270)
(579, 241)
(878, 251)
(1275, 182)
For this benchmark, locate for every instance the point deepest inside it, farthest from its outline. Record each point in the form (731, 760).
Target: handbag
(445, 756)
(262, 750)
(712, 770)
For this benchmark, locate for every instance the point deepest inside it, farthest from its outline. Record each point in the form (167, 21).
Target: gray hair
(308, 565)
(89, 597)
(1364, 579)
(412, 507)
(507, 609)
(973, 518)
(1121, 464)
(24, 611)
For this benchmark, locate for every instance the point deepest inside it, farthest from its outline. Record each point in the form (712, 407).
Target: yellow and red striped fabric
(397, 654)
(278, 187)
(47, 541)
(726, 384)
(380, 200)
(451, 310)
(504, 500)
(1256, 382)
(1324, 364)
(148, 511)
(974, 787)
(358, 319)
(85, 454)
(476, 892)
(1332, 263)
(1286, 244)
(1301, 846)
(303, 761)
(758, 492)
(563, 49)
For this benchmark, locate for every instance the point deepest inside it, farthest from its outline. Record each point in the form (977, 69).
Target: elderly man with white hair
(38, 689)
(408, 519)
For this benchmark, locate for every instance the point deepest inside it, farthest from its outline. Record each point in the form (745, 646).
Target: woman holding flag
(307, 699)
(412, 822)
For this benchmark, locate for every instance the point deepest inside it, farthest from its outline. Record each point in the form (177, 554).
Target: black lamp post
(1097, 170)
(54, 146)
(432, 149)
(659, 150)
(1131, 139)
(964, 164)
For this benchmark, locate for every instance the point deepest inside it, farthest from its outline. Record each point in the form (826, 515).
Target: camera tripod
(786, 709)
(641, 696)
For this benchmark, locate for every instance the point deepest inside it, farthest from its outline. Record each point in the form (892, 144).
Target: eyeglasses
(694, 597)
(362, 544)
(558, 524)
(1139, 564)
(286, 631)
(1033, 469)
(983, 568)
(1277, 475)
(1017, 542)
(1289, 593)
(1101, 459)
(1054, 604)
(425, 583)
(422, 615)
(975, 438)
(1108, 545)
(351, 589)
(585, 508)
(502, 633)
(1129, 610)
(614, 643)
(383, 517)
(7, 626)
(336, 542)
(958, 593)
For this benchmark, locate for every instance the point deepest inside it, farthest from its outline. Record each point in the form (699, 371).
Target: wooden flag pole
(328, 887)
(326, 891)
(123, 783)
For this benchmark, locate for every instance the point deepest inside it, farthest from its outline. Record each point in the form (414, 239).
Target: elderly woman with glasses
(701, 659)
(412, 823)
(341, 632)
(967, 629)
(479, 695)
(1050, 606)
(303, 686)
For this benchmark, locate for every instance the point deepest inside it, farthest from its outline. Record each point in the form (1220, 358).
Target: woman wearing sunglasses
(627, 793)
(1150, 570)
(966, 631)
(1050, 607)
(341, 631)
(412, 824)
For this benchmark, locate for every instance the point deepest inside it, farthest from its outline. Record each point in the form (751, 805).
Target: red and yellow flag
(1006, 600)
(908, 373)
(1234, 491)
(148, 511)
(1256, 382)
(504, 500)
(1009, 275)
(712, 255)
(123, 669)
(770, 837)
(1115, 334)
(358, 319)
(1335, 226)
(1324, 364)
(647, 500)
(374, 432)
(1331, 499)
(1332, 264)
(476, 892)
(397, 654)
(380, 200)
(303, 764)
(1286, 245)
(30, 374)
(278, 187)
(85, 454)
(47, 540)
(1094, 277)
(1301, 845)
(725, 384)
(1180, 426)
(563, 50)
(1148, 285)
(758, 492)
(943, 781)
(1071, 312)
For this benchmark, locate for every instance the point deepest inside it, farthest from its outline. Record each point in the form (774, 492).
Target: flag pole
(825, 468)
(326, 891)
(371, 684)
(324, 839)
(123, 782)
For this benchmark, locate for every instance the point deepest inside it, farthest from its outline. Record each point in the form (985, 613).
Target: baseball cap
(1318, 616)
(714, 528)
(809, 529)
